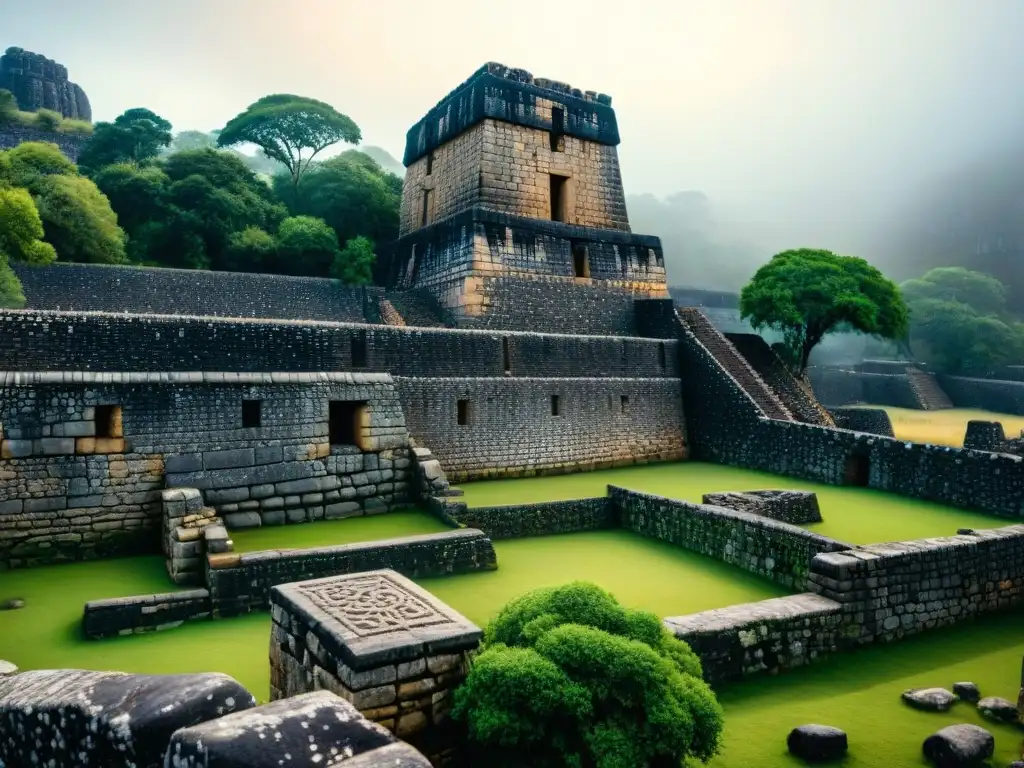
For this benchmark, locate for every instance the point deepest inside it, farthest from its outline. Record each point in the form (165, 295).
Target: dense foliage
(285, 126)
(43, 119)
(805, 294)
(959, 322)
(137, 135)
(568, 677)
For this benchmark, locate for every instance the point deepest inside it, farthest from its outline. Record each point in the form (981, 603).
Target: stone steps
(929, 394)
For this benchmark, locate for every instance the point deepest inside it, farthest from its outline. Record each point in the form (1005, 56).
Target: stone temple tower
(513, 213)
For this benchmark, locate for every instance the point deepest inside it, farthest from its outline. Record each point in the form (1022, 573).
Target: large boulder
(312, 730)
(967, 692)
(959, 746)
(929, 699)
(70, 718)
(817, 743)
(999, 710)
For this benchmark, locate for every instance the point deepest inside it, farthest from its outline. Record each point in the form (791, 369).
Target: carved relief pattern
(374, 605)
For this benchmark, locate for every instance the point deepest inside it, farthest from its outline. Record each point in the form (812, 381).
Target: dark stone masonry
(795, 507)
(69, 143)
(41, 83)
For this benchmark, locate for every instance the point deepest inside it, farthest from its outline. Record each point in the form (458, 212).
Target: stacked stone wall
(512, 429)
(61, 341)
(242, 583)
(541, 519)
(768, 548)
(144, 613)
(67, 494)
(454, 181)
(888, 591)
(985, 394)
(70, 144)
(872, 420)
(158, 291)
(769, 636)
(837, 387)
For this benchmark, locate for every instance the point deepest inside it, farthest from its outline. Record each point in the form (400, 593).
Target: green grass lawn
(854, 515)
(327, 533)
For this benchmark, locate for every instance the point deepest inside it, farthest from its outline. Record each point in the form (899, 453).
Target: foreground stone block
(959, 746)
(314, 730)
(69, 718)
(817, 743)
(385, 645)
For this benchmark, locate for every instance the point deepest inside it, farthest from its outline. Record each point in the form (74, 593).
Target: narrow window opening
(557, 129)
(108, 421)
(252, 413)
(580, 260)
(426, 207)
(463, 413)
(857, 471)
(624, 403)
(506, 357)
(558, 197)
(430, 162)
(359, 349)
(556, 406)
(661, 356)
(343, 421)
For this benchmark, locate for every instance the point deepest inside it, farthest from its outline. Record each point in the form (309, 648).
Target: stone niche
(794, 507)
(380, 642)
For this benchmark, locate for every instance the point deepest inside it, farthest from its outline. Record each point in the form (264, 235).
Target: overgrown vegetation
(568, 677)
(43, 120)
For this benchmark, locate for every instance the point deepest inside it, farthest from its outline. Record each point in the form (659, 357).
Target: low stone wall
(891, 590)
(999, 396)
(242, 583)
(520, 520)
(144, 613)
(794, 507)
(874, 421)
(990, 436)
(767, 636)
(777, 551)
(390, 648)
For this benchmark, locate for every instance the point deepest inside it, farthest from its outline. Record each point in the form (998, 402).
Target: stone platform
(793, 507)
(380, 642)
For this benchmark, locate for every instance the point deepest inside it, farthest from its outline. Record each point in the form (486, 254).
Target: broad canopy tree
(805, 294)
(286, 126)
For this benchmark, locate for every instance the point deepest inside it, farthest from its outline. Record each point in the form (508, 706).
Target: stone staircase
(414, 308)
(796, 395)
(929, 394)
(734, 364)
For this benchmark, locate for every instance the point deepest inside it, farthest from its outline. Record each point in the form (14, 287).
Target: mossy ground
(946, 427)
(856, 691)
(854, 515)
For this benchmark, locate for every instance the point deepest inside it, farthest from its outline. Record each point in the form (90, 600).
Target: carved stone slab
(375, 617)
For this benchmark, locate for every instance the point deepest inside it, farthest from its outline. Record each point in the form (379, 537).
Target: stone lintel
(373, 618)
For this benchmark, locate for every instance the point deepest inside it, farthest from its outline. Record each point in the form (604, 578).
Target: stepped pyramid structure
(513, 213)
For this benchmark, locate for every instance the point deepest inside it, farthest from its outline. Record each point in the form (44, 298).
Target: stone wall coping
(373, 618)
(539, 504)
(746, 517)
(42, 315)
(163, 597)
(806, 605)
(268, 555)
(567, 379)
(33, 378)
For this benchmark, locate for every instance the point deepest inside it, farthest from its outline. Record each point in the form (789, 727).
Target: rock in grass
(967, 692)
(7, 669)
(12, 604)
(70, 717)
(959, 746)
(929, 699)
(817, 743)
(999, 710)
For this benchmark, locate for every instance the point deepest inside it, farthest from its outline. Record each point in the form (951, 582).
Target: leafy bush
(568, 677)
(48, 120)
(76, 127)
(8, 106)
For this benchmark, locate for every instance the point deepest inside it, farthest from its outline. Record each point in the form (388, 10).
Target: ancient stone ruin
(41, 83)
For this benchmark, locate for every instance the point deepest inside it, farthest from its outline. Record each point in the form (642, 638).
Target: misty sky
(814, 119)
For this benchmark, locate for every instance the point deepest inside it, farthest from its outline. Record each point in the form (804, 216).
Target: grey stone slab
(269, 454)
(239, 457)
(340, 611)
(183, 462)
(240, 520)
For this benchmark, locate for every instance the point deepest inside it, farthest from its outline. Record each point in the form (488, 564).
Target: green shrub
(568, 677)
(48, 120)
(76, 127)
(8, 106)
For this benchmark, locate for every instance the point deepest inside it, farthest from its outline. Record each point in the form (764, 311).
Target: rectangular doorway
(558, 195)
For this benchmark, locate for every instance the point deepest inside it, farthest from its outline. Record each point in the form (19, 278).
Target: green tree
(983, 293)
(138, 135)
(805, 294)
(21, 233)
(251, 250)
(306, 246)
(285, 126)
(189, 140)
(78, 220)
(138, 194)
(351, 192)
(568, 677)
(29, 161)
(353, 264)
